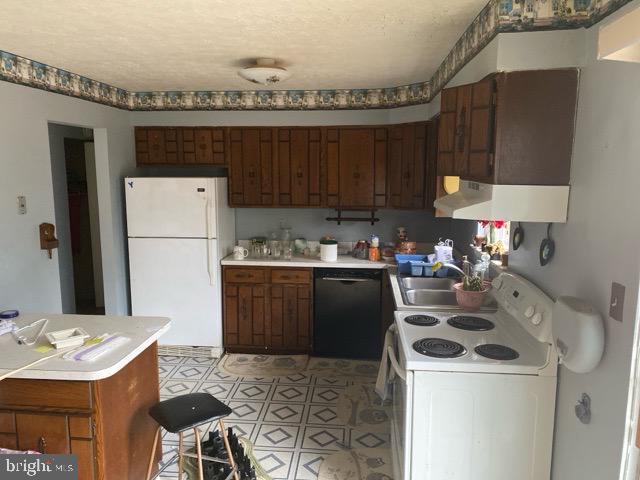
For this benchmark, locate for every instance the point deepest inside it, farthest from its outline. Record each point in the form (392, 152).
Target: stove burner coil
(475, 324)
(496, 352)
(422, 320)
(439, 348)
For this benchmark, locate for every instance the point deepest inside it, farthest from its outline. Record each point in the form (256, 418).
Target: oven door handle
(395, 365)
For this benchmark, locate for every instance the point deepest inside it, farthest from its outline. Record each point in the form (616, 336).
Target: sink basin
(430, 297)
(428, 283)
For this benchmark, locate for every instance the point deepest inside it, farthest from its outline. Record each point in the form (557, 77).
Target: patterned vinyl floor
(292, 421)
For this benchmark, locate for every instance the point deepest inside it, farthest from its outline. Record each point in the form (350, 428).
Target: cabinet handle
(299, 173)
(356, 175)
(202, 146)
(42, 445)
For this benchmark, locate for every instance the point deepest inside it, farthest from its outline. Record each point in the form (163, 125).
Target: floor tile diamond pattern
(292, 421)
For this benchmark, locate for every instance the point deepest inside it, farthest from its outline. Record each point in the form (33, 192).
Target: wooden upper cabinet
(203, 146)
(251, 162)
(356, 167)
(299, 154)
(156, 146)
(177, 146)
(407, 165)
(510, 128)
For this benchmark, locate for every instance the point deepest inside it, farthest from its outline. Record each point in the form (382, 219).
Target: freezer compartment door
(174, 278)
(171, 207)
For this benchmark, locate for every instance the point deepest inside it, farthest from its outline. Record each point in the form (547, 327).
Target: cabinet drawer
(244, 275)
(45, 393)
(290, 276)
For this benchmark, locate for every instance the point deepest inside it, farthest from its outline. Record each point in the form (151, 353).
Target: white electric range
(474, 394)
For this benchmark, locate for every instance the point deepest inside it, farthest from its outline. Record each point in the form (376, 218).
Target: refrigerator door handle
(211, 189)
(210, 256)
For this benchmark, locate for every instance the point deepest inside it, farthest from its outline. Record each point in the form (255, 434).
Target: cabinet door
(44, 433)
(203, 146)
(150, 146)
(407, 165)
(290, 324)
(432, 165)
(244, 315)
(84, 449)
(357, 167)
(251, 167)
(299, 166)
(481, 130)
(447, 131)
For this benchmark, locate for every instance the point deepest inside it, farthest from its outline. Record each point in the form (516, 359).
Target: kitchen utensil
(240, 253)
(518, 236)
(547, 248)
(328, 250)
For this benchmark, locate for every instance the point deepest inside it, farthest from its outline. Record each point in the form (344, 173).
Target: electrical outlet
(616, 303)
(22, 205)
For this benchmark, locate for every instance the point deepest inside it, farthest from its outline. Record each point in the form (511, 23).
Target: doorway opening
(77, 218)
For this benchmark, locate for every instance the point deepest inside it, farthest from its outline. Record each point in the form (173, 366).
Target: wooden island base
(104, 422)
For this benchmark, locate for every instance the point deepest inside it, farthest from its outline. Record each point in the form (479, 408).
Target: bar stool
(185, 412)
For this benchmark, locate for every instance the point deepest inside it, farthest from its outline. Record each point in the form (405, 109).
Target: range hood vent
(525, 203)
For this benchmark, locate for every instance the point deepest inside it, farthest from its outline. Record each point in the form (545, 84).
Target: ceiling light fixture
(264, 72)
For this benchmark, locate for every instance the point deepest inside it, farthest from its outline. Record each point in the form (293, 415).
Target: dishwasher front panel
(348, 313)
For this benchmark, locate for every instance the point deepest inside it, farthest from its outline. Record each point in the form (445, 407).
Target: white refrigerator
(179, 229)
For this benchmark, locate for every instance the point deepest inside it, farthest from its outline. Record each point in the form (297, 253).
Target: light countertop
(344, 261)
(142, 331)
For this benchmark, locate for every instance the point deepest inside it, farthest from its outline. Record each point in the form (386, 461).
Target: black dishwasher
(348, 314)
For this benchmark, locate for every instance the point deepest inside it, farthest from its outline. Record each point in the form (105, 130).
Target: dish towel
(382, 382)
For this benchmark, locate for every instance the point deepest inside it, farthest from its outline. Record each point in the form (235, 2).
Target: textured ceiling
(200, 44)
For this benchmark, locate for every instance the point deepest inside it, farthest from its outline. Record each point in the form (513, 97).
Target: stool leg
(179, 455)
(232, 462)
(199, 453)
(153, 453)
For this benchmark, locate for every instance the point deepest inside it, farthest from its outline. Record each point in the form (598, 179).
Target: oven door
(401, 420)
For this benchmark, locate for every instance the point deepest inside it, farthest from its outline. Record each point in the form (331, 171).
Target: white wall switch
(616, 304)
(22, 205)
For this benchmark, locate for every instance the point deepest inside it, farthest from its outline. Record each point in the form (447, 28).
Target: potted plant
(471, 291)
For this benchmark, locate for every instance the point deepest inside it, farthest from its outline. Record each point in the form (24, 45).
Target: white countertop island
(142, 332)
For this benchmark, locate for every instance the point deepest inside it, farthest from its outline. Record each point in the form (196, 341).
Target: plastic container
(71, 337)
(416, 268)
(406, 262)
(329, 250)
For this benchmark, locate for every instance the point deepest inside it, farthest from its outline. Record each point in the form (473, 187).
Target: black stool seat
(188, 411)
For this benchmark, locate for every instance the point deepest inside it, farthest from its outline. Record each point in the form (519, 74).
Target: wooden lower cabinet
(271, 316)
(104, 422)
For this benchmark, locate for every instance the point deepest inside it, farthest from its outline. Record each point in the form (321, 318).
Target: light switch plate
(616, 303)
(22, 205)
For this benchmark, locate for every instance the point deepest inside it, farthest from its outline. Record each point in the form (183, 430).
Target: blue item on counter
(416, 268)
(407, 263)
(5, 314)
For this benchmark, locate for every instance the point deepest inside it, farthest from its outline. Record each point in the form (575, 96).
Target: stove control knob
(530, 311)
(537, 319)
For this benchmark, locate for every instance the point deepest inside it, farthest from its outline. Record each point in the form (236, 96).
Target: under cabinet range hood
(525, 203)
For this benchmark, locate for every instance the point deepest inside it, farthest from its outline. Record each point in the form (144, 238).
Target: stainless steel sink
(434, 293)
(430, 297)
(426, 283)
